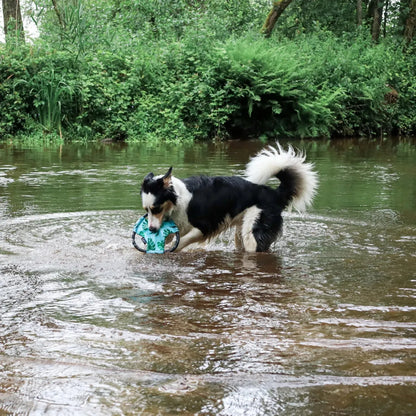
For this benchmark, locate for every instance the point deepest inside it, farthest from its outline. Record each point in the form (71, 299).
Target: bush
(13, 106)
(200, 78)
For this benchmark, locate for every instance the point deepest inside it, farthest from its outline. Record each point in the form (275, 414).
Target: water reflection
(324, 323)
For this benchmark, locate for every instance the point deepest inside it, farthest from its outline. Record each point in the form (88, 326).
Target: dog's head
(158, 198)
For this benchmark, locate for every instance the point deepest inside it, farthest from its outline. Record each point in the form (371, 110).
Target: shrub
(13, 105)
(195, 81)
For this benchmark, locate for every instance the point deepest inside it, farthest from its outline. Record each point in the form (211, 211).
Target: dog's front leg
(193, 236)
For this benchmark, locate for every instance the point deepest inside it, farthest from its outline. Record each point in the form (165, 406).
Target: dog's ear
(148, 177)
(167, 178)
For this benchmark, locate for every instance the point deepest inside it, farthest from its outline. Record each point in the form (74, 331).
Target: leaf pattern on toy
(150, 245)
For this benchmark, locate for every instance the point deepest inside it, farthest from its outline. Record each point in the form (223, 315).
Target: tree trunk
(12, 18)
(386, 15)
(278, 8)
(375, 9)
(359, 12)
(409, 29)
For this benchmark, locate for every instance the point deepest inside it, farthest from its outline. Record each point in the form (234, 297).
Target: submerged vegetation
(185, 70)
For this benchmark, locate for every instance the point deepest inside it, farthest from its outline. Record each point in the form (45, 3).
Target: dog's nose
(152, 229)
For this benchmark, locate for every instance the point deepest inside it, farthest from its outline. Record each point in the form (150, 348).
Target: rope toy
(154, 241)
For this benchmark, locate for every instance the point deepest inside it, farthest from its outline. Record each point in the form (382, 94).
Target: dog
(204, 206)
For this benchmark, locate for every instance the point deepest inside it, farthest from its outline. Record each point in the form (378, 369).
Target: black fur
(215, 198)
(157, 188)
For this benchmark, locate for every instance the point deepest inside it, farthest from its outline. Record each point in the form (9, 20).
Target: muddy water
(324, 324)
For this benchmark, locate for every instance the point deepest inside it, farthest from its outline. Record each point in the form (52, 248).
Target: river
(323, 324)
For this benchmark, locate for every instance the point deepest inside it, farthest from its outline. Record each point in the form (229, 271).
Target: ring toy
(154, 241)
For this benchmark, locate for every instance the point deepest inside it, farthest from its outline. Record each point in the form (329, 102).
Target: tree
(278, 8)
(375, 13)
(12, 18)
(359, 12)
(409, 29)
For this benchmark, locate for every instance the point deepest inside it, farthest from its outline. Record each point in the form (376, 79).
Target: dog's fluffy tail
(298, 180)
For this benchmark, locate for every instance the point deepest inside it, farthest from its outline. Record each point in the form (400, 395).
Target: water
(324, 324)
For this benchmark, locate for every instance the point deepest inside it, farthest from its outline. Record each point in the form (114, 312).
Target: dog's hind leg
(266, 230)
(238, 238)
(250, 218)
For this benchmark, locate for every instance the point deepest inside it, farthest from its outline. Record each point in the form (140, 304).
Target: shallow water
(324, 324)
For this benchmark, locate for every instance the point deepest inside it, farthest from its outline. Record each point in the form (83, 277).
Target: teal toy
(154, 241)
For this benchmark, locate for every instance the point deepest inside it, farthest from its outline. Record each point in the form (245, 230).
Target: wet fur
(204, 206)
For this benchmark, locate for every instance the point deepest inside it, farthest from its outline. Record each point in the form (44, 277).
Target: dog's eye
(156, 210)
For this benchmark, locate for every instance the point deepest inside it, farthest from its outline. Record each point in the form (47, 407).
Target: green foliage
(50, 93)
(269, 90)
(403, 114)
(184, 70)
(360, 72)
(13, 107)
(307, 16)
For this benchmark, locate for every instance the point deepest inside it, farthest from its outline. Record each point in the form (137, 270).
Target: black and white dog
(204, 206)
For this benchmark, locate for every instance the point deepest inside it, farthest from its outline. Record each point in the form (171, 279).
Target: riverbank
(195, 74)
